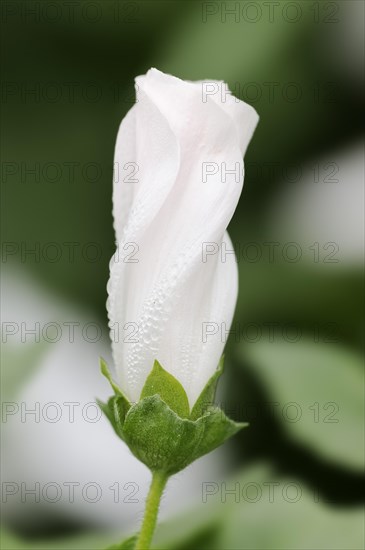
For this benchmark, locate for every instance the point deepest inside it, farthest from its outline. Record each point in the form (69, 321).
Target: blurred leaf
(311, 296)
(18, 363)
(92, 541)
(261, 510)
(201, 537)
(319, 391)
(128, 544)
(287, 516)
(255, 510)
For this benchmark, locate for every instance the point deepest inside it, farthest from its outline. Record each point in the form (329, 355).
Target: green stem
(159, 480)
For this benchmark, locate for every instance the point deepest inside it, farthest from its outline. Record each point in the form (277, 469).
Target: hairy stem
(159, 480)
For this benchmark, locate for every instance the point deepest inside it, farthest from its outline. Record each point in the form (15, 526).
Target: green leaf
(94, 540)
(127, 544)
(206, 398)
(19, 363)
(318, 389)
(158, 437)
(162, 383)
(290, 515)
(217, 429)
(185, 533)
(260, 509)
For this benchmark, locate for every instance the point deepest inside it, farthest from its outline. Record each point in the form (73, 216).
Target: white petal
(146, 161)
(243, 115)
(173, 210)
(194, 338)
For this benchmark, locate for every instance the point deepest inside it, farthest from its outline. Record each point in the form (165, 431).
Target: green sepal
(217, 429)
(117, 406)
(157, 430)
(107, 409)
(163, 441)
(206, 398)
(158, 437)
(115, 410)
(162, 383)
(106, 372)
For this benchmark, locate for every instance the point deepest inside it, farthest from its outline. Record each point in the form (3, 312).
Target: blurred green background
(294, 366)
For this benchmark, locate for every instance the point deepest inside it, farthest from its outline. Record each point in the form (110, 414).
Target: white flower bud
(178, 178)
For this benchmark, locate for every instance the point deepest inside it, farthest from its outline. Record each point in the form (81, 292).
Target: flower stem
(159, 480)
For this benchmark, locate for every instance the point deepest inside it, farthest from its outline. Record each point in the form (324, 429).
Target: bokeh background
(294, 365)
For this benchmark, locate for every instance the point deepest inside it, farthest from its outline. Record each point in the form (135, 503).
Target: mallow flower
(177, 180)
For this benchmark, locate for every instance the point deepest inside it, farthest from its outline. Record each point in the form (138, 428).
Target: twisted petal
(162, 302)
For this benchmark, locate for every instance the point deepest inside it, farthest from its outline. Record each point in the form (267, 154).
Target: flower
(178, 178)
